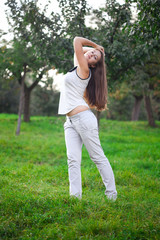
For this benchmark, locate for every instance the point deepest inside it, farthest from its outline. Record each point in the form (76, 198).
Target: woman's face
(92, 57)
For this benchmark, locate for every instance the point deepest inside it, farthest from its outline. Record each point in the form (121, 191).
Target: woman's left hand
(100, 48)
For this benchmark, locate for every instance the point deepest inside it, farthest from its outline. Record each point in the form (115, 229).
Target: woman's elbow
(76, 39)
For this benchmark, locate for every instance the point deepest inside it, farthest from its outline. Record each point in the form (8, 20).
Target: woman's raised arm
(79, 59)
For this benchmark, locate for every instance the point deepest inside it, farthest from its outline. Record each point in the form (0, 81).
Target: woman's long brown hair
(96, 91)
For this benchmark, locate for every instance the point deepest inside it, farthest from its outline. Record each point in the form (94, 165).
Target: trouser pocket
(88, 122)
(66, 124)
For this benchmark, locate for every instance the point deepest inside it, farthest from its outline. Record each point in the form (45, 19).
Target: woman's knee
(73, 161)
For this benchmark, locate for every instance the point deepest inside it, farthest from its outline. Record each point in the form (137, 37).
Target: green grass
(34, 194)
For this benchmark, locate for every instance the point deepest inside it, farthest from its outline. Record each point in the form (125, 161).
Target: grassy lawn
(34, 194)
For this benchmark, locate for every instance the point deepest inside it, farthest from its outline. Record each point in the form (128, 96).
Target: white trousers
(80, 129)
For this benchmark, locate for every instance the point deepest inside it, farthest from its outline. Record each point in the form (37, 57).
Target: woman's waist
(77, 110)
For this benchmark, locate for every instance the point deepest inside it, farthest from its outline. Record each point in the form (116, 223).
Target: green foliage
(147, 26)
(44, 101)
(41, 42)
(9, 96)
(35, 202)
(125, 54)
(121, 50)
(74, 13)
(120, 107)
(34, 34)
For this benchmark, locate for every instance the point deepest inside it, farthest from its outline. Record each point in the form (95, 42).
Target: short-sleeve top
(72, 92)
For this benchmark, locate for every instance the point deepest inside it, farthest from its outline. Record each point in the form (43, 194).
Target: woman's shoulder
(73, 69)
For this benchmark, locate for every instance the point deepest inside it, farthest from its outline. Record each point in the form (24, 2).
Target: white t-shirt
(72, 91)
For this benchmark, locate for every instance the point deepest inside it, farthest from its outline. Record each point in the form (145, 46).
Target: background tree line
(41, 43)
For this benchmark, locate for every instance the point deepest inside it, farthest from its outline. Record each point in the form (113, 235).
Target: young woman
(85, 86)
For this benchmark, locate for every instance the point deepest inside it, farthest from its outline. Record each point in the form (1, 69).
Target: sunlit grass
(35, 202)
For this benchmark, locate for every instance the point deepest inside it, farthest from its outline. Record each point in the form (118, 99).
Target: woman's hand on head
(100, 48)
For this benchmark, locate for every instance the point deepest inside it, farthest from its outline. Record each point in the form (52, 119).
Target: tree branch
(38, 79)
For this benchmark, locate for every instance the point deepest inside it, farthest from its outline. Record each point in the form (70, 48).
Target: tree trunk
(98, 117)
(108, 114)
(148, 106)
(21, 101)
(27, 93)
(20, 108)
(136, 108)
